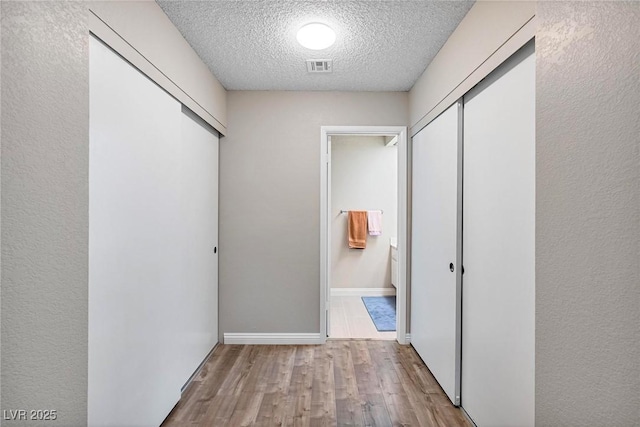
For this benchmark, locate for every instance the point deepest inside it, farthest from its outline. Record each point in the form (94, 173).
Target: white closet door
(199, 219)
(134, 242)
(499, 218)
(434, 248)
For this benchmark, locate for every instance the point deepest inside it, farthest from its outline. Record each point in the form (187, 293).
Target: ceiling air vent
(319, 65)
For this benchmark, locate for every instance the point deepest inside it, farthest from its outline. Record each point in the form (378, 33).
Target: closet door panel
(199, 219)
(499, 239)
(135, 244)
(434, 247)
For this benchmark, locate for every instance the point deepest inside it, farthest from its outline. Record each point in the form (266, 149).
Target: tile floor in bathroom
(350, 319)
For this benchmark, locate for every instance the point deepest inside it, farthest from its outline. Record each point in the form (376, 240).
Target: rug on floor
(382, 311)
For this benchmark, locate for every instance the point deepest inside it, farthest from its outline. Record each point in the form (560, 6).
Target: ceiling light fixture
(316, 36)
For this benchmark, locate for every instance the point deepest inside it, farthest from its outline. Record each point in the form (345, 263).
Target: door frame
(325, 214)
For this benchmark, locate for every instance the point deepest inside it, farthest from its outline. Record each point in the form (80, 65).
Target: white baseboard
(408, 338)
(362, 292)
(272, 339)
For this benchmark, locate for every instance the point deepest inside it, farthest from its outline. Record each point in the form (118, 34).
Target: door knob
(451, 267)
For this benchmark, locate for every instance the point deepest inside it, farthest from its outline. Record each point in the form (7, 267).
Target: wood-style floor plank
(323, 411)
(341, 383)
(400, 410)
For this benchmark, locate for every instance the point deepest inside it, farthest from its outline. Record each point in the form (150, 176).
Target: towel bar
(344, 212)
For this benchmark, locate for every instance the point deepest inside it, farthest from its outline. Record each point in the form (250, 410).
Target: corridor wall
(45, 193)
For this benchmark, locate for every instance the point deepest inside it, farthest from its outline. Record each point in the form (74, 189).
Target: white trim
(273, 339)
(325, 204)
(325, 189)
(362, 292)
(403, 236)
(407, 339)
(392, 141)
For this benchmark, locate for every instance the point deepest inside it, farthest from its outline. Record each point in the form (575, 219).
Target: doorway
(334, 224)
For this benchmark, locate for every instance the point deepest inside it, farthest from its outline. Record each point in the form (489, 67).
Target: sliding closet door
(499, 218)
(134, 242)
(199, 220)
(434, 265)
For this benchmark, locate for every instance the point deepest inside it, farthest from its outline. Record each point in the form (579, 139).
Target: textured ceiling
(380, 45)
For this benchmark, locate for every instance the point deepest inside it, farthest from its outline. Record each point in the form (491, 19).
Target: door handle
(451, 267)
(215, 249)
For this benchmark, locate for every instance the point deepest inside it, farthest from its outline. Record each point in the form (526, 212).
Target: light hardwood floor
(341, 383)
(349, 319)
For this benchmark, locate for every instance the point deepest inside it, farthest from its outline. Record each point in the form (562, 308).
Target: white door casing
(325, 215)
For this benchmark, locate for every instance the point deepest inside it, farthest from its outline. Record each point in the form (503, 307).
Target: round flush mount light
(316, 36)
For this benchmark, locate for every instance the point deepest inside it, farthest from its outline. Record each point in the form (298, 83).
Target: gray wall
(270, 202)
(45, 134)
(587, 214)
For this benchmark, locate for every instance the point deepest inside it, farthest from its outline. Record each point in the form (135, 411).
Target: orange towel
(358, 229)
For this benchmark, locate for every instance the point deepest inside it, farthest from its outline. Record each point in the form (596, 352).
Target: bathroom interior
(364, 177)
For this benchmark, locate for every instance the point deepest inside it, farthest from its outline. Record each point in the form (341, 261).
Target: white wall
(270, 202)
(364, 176)
(45, 199)
(588, 214)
